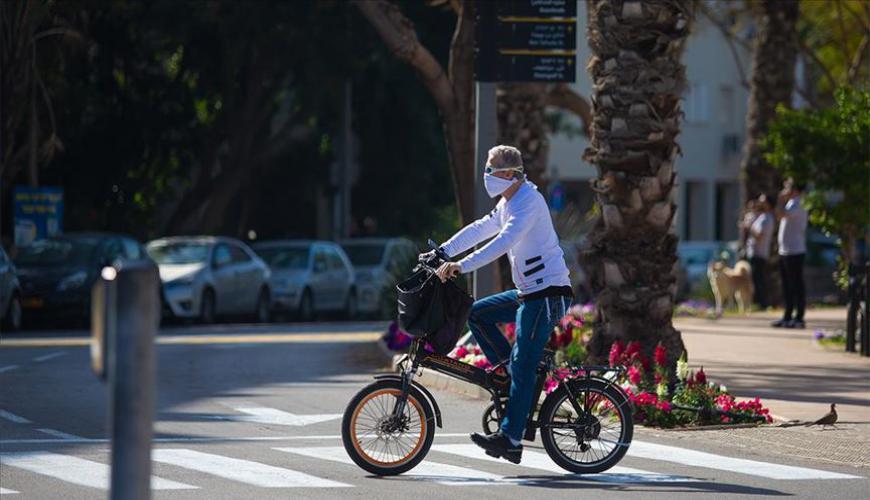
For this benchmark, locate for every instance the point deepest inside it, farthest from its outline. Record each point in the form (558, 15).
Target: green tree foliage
(828, 149)
(834, 35)
(220, 116)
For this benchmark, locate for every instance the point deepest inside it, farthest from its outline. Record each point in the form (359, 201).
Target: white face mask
(496, 185)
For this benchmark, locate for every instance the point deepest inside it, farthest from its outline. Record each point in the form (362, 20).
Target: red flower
(634, 375)
(510, 331)
(461, 352)
(701, 377)
(663, 406)
(661, 355)
(616, 351)
(632, 349)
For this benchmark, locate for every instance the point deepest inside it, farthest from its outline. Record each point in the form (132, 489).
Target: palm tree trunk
(637, 78)
(774, 53)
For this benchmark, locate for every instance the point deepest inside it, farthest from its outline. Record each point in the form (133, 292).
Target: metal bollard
(124, 332)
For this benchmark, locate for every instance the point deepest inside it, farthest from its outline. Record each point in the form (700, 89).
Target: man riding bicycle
(520, 225)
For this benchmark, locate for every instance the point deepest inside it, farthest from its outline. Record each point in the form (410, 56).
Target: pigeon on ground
(829, 419)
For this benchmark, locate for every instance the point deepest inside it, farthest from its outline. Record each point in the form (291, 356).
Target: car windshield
(182, 252)
(361, 254)
(58, 251)
(284, 257)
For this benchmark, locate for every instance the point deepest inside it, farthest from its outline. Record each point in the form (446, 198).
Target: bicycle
(586, 423)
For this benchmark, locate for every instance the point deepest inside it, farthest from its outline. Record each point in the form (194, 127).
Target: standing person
(760, 234)
(521, 226)
(750, 213)
(792, 248)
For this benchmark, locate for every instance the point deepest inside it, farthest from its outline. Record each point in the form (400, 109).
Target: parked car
(378, 263)
(10, 295)
(309, 277)
(206, 276)
(57, 273)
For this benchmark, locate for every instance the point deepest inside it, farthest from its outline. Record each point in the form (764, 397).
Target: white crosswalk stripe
(446, 474)
(653, 451)
(75, 470)
(536, 460)
(245, 471)
(4, 491)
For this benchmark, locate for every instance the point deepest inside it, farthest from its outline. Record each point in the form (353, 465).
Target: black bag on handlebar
(433, 310)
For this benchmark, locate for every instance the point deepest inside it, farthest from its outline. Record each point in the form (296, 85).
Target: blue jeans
(535, 320)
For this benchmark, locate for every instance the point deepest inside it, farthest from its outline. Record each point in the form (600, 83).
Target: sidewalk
(793, 376)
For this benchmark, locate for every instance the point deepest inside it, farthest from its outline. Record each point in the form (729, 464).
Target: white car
(309, 277)
(378, 263)
(205, 277)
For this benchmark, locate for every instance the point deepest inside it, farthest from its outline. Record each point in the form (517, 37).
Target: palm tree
(774, 52)
(637, 78)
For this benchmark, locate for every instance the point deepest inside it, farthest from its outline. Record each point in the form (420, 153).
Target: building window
(727, 112)
(727, 210)
(697, 217)
(696, 101)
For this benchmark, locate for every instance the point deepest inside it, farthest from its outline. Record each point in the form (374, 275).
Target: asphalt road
(254, 412)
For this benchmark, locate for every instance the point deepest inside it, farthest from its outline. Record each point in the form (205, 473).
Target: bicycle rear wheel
(380, 443)
(592, 440)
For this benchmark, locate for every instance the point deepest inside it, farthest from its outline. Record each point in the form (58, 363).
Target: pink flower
(461, 352)
(632, 349)
(661, 355)
(616, 351)
(664, 406)
(482, 362)
(634, 375)
(510, 331)
(550, 385)
(476, 350)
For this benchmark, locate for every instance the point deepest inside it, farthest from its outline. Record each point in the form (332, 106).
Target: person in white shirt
(792, 248)
(521, 226)
(758, 242)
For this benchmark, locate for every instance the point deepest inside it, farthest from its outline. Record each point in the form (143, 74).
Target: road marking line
(40, 359)
(263, 415)
(541, 461)
(245, 471)
(197, 439)
(9, 368)
(253, 338)
(75, 470)
(451, 475)
(653, 451)
(4, 491)
(59, 434)
(14, 418)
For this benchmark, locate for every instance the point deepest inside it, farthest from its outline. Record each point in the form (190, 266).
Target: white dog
(728, 283)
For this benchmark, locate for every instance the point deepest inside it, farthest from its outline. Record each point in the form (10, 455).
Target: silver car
(309, 277)
(378, 263)
(10, 295)
(205, 277)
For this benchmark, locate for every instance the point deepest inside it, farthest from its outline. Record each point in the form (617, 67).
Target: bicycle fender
(421, 388)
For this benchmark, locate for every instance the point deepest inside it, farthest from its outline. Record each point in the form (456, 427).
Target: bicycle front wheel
(377, 440)
(593, 439)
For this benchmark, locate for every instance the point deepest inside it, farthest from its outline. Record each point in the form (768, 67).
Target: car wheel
(207, 307)
(351, 305)
(12, 318)
(306, 306)
(264, 307)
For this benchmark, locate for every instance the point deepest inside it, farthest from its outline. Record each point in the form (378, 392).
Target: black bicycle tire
(554, 401)
(347, 438)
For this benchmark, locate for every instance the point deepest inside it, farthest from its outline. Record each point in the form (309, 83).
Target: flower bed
(660, 398)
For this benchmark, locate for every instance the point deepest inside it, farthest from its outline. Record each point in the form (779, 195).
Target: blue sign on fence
(38, 213)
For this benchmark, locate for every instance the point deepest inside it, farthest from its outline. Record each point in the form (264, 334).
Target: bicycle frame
(420, 358)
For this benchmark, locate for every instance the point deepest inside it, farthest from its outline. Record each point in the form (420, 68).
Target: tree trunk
(774, 53)
(637, 78)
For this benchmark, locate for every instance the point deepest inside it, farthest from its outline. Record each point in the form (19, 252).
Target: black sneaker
(796, 324)
(499, 446)
(783, 323)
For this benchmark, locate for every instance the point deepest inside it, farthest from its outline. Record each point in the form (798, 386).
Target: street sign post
(515, 41)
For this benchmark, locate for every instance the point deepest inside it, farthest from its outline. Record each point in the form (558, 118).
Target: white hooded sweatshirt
(523, 228)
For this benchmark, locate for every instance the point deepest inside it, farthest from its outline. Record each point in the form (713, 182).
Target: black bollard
(125, 317)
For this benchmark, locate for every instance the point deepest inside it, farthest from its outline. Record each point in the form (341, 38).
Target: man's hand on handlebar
(427, 256)
(448, 270)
